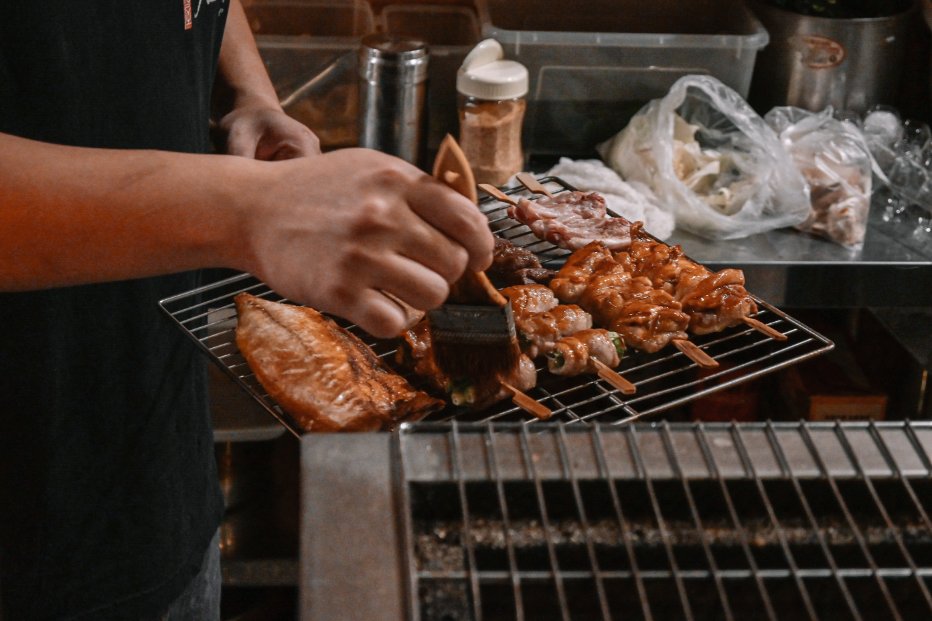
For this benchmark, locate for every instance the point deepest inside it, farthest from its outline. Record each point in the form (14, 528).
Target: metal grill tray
(664, 380)
(645, 522)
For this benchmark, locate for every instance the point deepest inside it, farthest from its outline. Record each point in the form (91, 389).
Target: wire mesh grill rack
(664, 380)
(670, 521)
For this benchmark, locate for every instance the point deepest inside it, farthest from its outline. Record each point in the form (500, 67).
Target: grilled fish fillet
(320, 374)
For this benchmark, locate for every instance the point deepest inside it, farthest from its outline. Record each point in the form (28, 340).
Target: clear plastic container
(594, 63)
(309, 48)
(491, 102)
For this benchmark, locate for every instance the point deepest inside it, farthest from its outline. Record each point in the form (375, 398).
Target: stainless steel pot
(813, 62)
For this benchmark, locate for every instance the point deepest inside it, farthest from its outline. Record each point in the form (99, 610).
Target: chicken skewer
(713, 300)
(545, 325)
(647, 318)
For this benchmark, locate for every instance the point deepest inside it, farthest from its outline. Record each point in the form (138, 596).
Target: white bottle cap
(485, 75)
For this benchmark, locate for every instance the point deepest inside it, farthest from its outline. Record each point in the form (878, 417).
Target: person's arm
(250, 119)
(332, 231)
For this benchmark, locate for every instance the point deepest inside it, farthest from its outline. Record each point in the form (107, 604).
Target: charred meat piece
(512, 265)
(323, 376)
(572, 219)
(576, 354)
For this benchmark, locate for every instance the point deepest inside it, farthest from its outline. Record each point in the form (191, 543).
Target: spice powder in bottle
(491, 101)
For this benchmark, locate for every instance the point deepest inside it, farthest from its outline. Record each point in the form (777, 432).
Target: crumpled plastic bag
(633, 201)
(711, 160)
(836, 162)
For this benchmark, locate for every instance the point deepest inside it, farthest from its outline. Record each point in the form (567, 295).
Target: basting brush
(473, 333)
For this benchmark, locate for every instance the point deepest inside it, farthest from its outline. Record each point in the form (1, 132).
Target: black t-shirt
(108, 489)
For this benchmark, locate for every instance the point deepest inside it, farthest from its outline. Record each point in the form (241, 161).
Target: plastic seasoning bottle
(491, 102)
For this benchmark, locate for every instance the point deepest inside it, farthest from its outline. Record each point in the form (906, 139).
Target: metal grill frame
(839, 452)
(665, 380)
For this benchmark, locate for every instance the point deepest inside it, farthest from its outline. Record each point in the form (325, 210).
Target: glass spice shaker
(491, 104)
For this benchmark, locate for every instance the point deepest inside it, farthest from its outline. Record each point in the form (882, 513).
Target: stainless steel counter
(792, 269)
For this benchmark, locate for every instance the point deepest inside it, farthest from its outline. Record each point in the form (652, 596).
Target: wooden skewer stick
(763, 328)
(494, 192)
(692, 351)
(532, 184)
(612, 377)
(526, 403)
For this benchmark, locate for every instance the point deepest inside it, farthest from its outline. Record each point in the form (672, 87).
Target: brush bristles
(475, 342)
(479, 362)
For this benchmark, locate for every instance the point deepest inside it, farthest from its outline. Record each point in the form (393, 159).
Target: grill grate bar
(467, 542)
(749, 467)
(813, 523)
(504, 576)
(891, 528)
(766, 521)
(888, 456)
(556, 574)
(703, 442)
(661, 523)
(514, 576)
(694, 511)
(605, 472)
(568, 469)
(852, 523)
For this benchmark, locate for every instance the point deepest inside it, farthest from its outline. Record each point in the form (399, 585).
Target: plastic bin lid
(485, 75)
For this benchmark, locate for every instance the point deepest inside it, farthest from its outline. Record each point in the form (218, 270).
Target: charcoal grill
(664, 380)
(447, 522)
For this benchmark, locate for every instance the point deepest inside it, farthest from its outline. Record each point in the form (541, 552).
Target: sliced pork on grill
(572, 219)
(513, 265)
(326, 378)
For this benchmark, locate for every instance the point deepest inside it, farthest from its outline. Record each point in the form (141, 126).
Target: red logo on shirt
(188, 15)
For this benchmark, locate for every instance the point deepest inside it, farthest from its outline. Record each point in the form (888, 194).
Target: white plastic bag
(835, 160)
(711, 160)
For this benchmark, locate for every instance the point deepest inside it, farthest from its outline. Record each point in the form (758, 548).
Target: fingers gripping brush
(473, 333)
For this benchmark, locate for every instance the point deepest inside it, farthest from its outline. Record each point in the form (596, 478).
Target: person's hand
(340, 230)
(268, 134)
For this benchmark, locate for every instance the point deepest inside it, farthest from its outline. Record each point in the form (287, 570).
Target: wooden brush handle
(452, 168)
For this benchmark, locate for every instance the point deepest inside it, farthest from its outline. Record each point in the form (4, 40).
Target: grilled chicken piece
(572, 219)
(573, 278)
(646, 318)
(575, 354)
(323, 376)
(527, 299)
(539, 331)
(713, 301)
(512, 265)
(655, 261)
